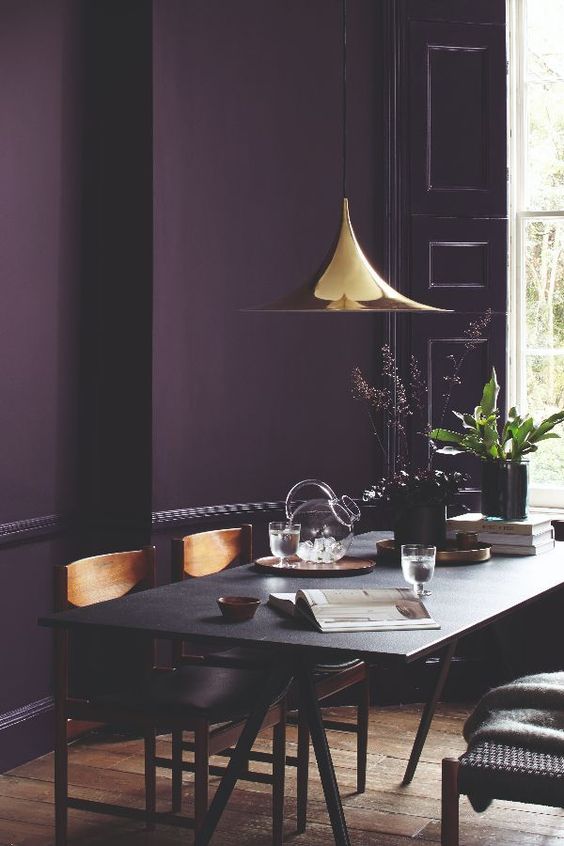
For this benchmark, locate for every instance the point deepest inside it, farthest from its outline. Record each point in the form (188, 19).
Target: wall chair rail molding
(26, 712)
(163, 520)
(34, 528)
(25, 732)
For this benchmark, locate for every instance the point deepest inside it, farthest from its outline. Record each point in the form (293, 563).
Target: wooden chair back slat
(103, 577)
(205, 553)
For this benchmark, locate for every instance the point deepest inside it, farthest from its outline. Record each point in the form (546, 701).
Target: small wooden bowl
(238, 608)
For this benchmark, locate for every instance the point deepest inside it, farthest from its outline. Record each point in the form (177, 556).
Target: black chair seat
(241, 656)
(215, 693)
(329, 667)
(245, 656)
(511, 772)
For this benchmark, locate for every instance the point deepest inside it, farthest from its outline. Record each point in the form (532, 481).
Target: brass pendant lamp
(348, 283)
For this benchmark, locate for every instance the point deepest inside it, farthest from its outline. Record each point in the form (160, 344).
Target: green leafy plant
(481, 430)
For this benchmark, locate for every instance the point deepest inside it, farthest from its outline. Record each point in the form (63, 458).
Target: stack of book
(532, 536)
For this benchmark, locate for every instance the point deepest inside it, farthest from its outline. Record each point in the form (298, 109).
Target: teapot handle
(306, 483)
(351, 506)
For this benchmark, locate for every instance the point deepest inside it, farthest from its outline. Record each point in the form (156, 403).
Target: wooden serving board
(387, 551)
(294, 566)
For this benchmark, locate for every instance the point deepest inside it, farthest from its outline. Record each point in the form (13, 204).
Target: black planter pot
(424, 524)
(505, 489)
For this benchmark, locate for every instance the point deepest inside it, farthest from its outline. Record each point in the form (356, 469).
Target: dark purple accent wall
(247, 105)
(39, 251)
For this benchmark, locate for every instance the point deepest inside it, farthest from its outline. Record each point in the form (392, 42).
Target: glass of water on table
(418, 565)
(284, 539)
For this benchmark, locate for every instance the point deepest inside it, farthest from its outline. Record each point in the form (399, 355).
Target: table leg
(275, 682)
(428, 713)
(310, 704)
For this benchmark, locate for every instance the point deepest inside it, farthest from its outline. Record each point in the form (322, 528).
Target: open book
(356, 610)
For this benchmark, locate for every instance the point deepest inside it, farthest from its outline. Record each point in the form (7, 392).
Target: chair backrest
(100, 662)
(209, 552)
(104, 577)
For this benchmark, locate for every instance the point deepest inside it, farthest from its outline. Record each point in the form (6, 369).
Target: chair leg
(150, 778)
(302, 773)
(450, 802)
(201, 773)
(176, 771)
(362, 714)
(278, 775)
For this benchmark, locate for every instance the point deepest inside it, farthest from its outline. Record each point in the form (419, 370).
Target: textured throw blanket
(527, 712)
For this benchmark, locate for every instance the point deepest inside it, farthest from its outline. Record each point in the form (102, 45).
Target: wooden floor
(386, 814)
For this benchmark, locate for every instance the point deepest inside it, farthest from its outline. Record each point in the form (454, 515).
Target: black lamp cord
(344, 98)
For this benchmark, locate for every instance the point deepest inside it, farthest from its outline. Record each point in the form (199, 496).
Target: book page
(392, 604)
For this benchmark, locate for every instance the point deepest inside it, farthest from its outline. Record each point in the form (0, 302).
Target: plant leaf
(490, 393)
(446, 436)
(450, 450)
(467, 420)
(547, 425)
(520, 432)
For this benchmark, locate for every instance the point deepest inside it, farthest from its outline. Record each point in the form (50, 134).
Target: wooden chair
(209, 552)
(498, 771)
(212, 702)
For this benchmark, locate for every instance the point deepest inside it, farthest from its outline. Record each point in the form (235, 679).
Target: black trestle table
(464, 599)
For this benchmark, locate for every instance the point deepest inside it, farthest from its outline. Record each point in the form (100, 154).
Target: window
(537, 236)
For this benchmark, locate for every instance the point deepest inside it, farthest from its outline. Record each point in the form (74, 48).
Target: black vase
(505, 489)
(425, 524)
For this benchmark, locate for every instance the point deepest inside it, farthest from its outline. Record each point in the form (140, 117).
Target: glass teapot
(326, 522)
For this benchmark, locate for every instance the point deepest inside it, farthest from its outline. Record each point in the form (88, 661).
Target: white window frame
(543, 496)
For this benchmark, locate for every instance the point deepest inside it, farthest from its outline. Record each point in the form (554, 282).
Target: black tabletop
(464, 598)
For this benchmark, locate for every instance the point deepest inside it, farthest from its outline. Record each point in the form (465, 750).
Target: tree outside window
(537, 166)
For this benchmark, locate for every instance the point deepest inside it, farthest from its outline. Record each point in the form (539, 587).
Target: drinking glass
(284, 539)
(418, 565)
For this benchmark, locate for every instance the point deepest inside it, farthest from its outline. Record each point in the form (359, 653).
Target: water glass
(284, 539)
(418, 565)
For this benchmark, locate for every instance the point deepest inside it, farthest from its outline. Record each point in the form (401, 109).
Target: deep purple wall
(247, 170)
(38, 256)
(39, 245)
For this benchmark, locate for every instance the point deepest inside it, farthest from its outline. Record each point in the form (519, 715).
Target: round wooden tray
(451, 555)
(294, 566)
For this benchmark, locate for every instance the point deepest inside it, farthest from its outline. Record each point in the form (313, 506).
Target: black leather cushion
(215, 693)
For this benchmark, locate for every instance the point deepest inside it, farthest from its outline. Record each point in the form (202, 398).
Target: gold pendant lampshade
(349, 283)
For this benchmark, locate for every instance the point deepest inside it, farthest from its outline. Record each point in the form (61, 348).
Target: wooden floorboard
(110, 769)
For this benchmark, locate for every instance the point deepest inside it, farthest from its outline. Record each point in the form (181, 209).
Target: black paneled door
(452, 194)
(457, 118)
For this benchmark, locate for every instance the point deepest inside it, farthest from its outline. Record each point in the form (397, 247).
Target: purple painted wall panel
(39, 252)
(247, 100)
(39, 228)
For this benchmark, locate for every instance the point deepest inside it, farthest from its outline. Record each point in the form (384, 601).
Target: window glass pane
(545, 106)
(545, 165)
(546, 465)
(544, 265)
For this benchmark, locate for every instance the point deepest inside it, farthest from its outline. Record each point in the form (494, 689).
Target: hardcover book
(509, 539)
(535, 524)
